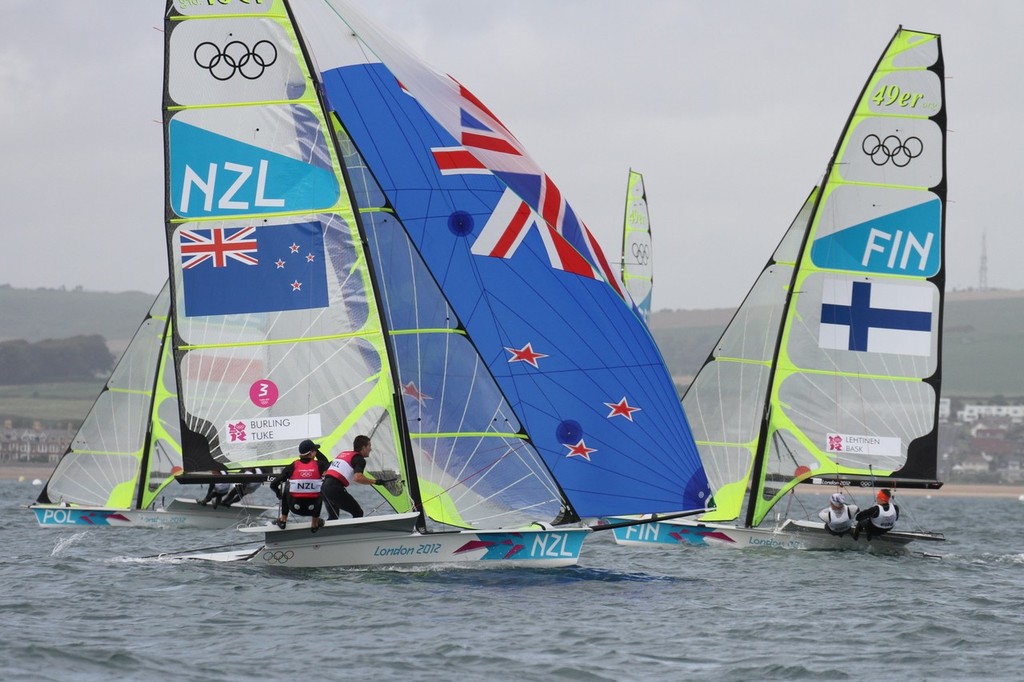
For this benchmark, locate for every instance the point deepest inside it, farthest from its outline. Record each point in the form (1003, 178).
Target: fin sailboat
(358, 246)
(827, 378)
(127, 450)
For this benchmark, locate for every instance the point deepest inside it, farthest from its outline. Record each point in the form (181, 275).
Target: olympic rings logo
(236, 57)
(278, 557)
(642, 253)
(892, 148)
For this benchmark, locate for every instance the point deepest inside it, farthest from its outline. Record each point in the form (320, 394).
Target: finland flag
(877, 317)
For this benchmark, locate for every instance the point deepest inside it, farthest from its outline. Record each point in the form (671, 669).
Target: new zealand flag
(233, 270)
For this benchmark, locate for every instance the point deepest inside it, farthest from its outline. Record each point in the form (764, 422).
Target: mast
(142, 484)
(762, 439)
(408, 461)
(625, 226)
(569, 514)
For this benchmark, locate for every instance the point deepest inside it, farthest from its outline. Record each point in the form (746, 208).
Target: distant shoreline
(13, 472)
(30, 472)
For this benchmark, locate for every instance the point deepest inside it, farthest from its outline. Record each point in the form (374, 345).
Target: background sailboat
(127, 450)
(829, 372)
(389, 260)
(637, 247)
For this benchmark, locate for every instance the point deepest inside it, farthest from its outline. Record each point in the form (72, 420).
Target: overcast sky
(729, 109)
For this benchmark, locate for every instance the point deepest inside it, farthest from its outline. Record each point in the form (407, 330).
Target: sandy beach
(27, 472)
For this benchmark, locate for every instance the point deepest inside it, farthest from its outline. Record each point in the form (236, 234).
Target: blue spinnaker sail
(577, 366)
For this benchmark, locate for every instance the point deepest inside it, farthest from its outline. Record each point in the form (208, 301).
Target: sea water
(110, 604)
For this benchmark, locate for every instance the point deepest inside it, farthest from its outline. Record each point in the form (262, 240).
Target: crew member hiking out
(348, 466)
(879, 519)
(302, 481)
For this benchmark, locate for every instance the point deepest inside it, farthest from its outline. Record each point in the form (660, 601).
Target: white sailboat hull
(791, 534)
(393, 540)
(180, 513)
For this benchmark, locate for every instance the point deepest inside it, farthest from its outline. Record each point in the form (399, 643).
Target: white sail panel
(117, 450)
(725, 403)
(915, 148)
(206, 8)
(237, 54)
(820, 406)
(916, 50)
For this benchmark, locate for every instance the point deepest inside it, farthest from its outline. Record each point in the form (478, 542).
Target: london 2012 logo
(235, 58)
(892, 149)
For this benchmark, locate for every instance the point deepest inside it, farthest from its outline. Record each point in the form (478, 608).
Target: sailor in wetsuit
(302, 492)
(838, 516)
(348, 466)
(218, 493)
(879, 519)
(240, 490)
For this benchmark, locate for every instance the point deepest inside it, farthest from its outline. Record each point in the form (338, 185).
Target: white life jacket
(341, 468)
(840, 520)
(886, 518)
(222, 488)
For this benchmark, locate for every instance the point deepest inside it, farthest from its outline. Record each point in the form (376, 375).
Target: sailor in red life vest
(348, 466)
(302, 494)
(879, 519)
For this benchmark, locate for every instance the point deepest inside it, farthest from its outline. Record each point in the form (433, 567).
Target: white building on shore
(972, 413)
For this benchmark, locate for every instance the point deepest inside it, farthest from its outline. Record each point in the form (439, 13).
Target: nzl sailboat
(359, 246)
(127, 450)
(829, 372)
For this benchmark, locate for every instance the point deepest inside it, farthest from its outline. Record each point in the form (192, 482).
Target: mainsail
(830, 370)
(127, 448)
(360, 246)
(637, 255)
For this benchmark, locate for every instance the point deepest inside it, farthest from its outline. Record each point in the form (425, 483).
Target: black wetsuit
(303, 506)
(218, 498)
(337, 497)
(864, 521)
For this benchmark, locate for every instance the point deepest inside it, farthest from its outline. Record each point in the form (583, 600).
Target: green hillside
(983, 346)
(53, 403)
(36, 314)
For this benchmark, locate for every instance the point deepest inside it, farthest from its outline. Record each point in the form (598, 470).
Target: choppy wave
(120, 604)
